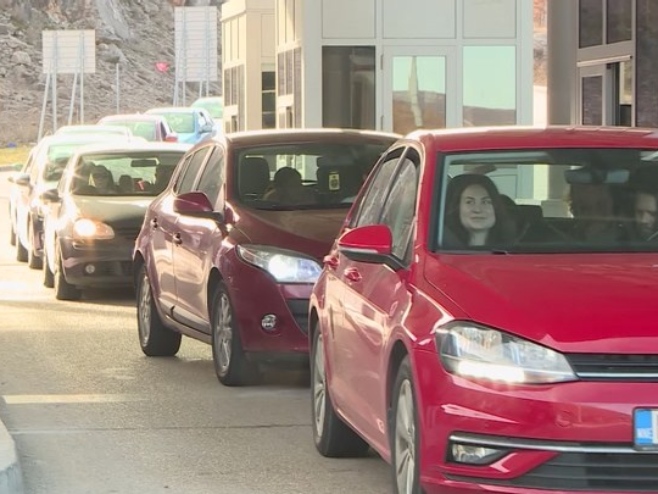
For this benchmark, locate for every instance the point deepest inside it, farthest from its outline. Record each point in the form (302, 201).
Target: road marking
(67, 399)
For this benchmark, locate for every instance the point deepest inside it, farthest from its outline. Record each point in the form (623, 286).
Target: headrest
(144, 163)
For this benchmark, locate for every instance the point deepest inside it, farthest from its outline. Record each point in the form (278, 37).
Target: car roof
(279, 136)
(144, 117)
(131, 146)
(522, 137)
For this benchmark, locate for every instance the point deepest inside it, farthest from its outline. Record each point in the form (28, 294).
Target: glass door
(419, 89)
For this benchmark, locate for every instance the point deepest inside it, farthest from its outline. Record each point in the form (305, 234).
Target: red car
(491, 325)
(229, 252)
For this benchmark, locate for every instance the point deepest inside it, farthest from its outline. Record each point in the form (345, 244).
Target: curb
(11, 477)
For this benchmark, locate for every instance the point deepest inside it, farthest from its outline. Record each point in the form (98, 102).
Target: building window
(619, 21)
(348, 87)
(646, 53)
(269, 100)
(592, 100)
(289, 82)
(234, 93)
(489, 85)
(624, 93)
(590, 20)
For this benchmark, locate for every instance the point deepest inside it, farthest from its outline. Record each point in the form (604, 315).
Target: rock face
(132, 36)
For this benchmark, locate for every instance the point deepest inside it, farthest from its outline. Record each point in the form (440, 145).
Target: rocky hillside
(137, 34)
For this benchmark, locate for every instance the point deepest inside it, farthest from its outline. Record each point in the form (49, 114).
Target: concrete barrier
(11, 477)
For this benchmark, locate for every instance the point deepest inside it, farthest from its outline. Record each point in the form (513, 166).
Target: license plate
(646, 428)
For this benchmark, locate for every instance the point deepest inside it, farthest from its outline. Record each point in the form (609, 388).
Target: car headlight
(87, 229)
(476, 352)
(284, 266)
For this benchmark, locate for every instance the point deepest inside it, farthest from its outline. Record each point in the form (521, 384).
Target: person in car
(592, 207)
(288, 188)
(475, 213)
(101, 180)
(645, 212)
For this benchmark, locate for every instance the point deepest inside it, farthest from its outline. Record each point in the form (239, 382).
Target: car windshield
(304, 176)
(549, 201)
(139, 128)
(181, 123)
(124, 173)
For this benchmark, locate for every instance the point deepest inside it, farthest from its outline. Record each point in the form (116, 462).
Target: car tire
(333, 438)
(33, 260)
(48, 276)
(21, 252)
(155, 339)
(63, 289)
(405, 443)
(12, 235)
(231, 364)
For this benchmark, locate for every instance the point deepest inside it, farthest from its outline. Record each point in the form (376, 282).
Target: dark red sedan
(228, 254)
(492, 325)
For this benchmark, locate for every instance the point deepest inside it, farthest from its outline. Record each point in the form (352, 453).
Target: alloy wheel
(405, 440)
(319, 386)
(144, 309)
(223, 333)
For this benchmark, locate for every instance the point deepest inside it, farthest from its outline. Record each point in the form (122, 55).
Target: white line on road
(68, 399)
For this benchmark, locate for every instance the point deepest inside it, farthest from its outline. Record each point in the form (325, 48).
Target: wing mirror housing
(371, 244)
(197, 205)
(50, 195)
(22, 179)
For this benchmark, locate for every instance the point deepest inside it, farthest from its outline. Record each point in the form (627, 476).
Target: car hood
(596, 303)
(311, 232)
(120, 212)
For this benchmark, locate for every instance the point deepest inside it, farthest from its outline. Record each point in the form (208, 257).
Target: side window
(212, 177)
(189, 174)
(374, 198)
(400, 208)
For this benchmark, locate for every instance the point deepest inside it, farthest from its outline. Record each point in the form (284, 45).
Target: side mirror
(371, 244)
(173, 137)
(207, 128)
(50, 195)
(197, 205)
(22, 179)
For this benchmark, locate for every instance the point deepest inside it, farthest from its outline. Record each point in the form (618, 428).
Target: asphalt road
(91, 414)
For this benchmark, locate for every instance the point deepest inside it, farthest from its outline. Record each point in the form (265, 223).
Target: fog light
(90, 269)
(475, 455)
(268, 323)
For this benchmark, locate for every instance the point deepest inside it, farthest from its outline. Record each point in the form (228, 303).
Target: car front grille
(627, 472)
(597, 367)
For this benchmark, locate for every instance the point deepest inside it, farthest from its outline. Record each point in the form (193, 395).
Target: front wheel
(405, 444)
(231, 364)
(33, 260)
(63, 289)
(12, 235)
(332, 437)
(155, 339)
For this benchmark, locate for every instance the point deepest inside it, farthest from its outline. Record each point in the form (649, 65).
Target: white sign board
(69, 52)
(196, 44)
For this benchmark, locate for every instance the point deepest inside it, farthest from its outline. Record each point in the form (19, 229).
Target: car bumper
(568, 437)
(257, 299)
(97, 264)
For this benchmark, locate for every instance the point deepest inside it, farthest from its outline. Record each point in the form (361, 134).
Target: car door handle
(154, 223)
(353, 275)
(177, 239)
(331, 262)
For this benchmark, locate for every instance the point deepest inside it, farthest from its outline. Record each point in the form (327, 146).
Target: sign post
(66, 52)
(196, 49)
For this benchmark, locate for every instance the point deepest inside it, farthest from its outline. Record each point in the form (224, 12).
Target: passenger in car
(102, 181)
(645, 226)
(475, 213)
(592, 207)
(289, 189)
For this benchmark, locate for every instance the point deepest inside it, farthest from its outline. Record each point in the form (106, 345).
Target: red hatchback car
(487, 318)
(228, 254)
